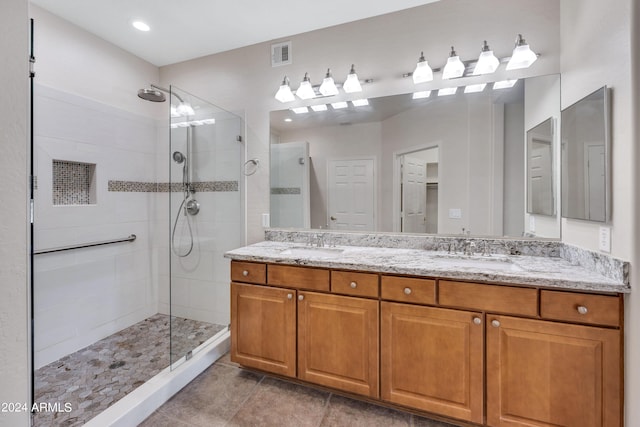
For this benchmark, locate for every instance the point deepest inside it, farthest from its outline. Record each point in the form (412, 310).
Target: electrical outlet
(266, 220)
(604, 239)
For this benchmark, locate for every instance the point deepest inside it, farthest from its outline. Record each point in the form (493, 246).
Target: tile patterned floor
(226, 395)
(93, 378)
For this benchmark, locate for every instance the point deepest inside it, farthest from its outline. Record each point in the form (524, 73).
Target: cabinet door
(338, 342)
(552, 374)
(263, 328)
(432, 359)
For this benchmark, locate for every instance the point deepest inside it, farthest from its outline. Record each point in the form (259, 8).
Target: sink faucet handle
(320, 240)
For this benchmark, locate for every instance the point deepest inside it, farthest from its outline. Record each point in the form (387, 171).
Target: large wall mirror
(585, 158)
(441, 165)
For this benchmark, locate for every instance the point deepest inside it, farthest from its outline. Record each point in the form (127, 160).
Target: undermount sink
(312, 251)
(489, 258)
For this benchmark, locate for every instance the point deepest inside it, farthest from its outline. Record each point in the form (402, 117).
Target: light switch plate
(455, 213)
(604, 239)
(266, 220)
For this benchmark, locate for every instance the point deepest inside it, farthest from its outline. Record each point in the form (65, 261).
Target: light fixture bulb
(447, 91)
(328, 86)
(454, 68)
(504, 84)
(305, 91)
(421, 95)
(185, 109)
(487, 61)
(522, 56)
(300, 110)
(360, 102)
(284, 94)
(319, 107)
(423, 73)
(475, 88)
(339, 105)
(352, 84)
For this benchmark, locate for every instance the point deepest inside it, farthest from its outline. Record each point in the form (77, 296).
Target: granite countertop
(550, 272)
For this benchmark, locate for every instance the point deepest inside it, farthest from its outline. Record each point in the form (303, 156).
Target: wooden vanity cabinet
(433, 359)
(542, 373)
(263, 328)
(338, 342)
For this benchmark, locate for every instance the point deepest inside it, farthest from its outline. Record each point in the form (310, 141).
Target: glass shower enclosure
(205, 155)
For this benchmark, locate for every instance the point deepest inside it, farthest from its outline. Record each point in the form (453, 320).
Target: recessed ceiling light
(360, 102)
(339, 105)
(421, 95)
(139, 25)
(300, 110)
(288, 119)
(320, 107)
(447, 91)
(504, 84)
(475, 88)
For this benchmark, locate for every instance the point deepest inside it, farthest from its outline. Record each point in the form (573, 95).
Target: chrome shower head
(178, 157)
(153, 95)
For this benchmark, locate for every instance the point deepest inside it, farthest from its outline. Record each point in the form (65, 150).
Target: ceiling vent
(281, 54)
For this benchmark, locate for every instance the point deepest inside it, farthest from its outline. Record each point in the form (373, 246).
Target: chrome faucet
(320, 240)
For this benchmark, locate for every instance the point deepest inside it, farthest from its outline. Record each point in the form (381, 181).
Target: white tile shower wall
(84, 295)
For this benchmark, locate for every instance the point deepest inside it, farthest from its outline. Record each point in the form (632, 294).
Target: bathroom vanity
(494, 340)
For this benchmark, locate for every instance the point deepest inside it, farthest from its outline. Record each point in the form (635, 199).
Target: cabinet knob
(300, 297)
(495, 323)
(353, 285)
(245, 273)
(289, 296)
(582, 309)
(478, 320)
(407, 291)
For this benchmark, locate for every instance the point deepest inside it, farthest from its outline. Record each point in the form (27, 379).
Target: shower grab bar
(131, 238)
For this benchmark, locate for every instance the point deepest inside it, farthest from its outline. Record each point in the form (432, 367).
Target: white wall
(14, 347)
(243, 78)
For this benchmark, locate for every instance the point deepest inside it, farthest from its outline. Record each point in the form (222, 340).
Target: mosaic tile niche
(73, 183)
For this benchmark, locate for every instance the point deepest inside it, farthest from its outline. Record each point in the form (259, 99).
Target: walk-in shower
(107, 318)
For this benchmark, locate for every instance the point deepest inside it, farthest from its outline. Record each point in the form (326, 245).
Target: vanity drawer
(248, 272)
(493, 298)
(298, 277)
(351, 283)
(407, 289)
(577, 307)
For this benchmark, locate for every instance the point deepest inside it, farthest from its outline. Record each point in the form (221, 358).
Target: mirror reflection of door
(351, 194)
(595, 167)
(540, 192)
(419, 191)
(290, 203)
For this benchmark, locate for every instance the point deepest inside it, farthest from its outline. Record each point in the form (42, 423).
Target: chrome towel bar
(131, 238)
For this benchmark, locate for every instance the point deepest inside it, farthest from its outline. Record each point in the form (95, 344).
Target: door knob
(582, 309)
(407, 291)
(300, 297)
(289, 296)
(477, 320)
(353, 285)
(333, 218)
(495, 323)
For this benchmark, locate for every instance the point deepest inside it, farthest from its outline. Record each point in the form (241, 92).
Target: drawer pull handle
(300, 297)
(582, 309)
(245, 273)
(477, 320)
(289, 296)
(407, 291)
(353, 285)
(495, 323)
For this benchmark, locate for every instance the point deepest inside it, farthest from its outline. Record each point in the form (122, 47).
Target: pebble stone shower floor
(94, 378)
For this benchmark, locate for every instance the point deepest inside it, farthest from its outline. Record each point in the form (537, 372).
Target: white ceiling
(187, 29)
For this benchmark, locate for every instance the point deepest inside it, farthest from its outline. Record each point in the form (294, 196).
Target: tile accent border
(165, 187)
(285, 190)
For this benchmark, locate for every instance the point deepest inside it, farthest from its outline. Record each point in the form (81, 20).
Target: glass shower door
(205, 218)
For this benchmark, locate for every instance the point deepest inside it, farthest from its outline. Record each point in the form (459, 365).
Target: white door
(351, 195)
(414, 195)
